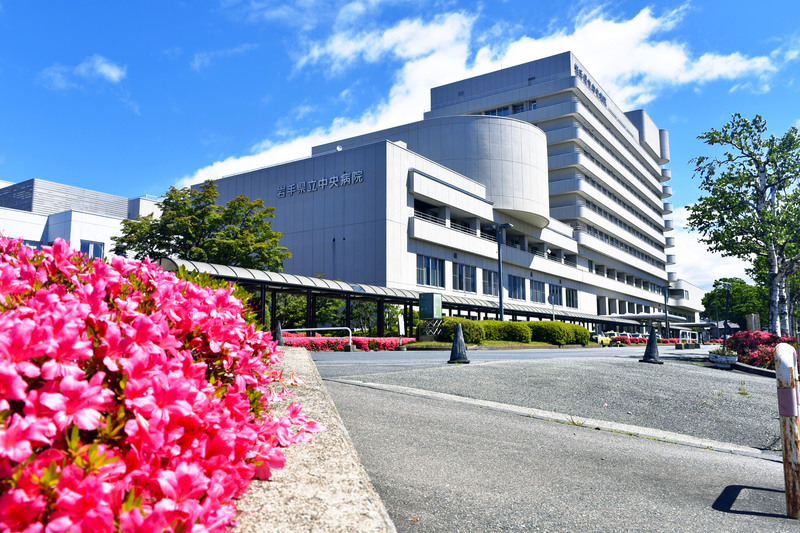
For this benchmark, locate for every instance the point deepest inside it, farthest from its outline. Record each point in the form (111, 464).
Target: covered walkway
(265, 286)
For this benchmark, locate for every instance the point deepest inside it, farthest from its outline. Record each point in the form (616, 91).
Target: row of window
(623, 163)
(513, 109)
(591, 230)
(622, 224)
(430, 272)
(608, 171)
(628, 208)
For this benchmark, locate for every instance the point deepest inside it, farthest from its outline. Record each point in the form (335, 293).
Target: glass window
(430, 271)
(463, 277)
(572, 298)
(490, 285)
(516, 287)
(537, 291)
(92, 248)
(555, 292)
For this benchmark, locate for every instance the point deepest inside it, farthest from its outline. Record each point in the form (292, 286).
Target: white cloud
(695, 261)
(98, 66)
(60, 77)
(56, 78)
(202, 60)
(634, 64)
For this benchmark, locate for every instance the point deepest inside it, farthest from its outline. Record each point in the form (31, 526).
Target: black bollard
(651, 352)
(459, 352)
(279, 334)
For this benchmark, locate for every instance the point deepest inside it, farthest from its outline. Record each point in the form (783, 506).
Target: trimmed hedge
(492, 330)
(495, 330)
(472, 330)
(580, 335)
(559, 333)
(475, 331)
(516, 332)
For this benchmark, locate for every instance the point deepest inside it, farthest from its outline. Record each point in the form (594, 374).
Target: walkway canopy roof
(279, 281)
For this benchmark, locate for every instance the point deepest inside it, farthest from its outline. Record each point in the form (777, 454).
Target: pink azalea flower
(12, 386)
(18, 510)
(83, 402)
(179, 430)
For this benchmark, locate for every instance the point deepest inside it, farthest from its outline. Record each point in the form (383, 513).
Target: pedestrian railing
(349, 332)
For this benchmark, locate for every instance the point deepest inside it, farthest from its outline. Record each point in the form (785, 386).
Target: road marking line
(604, 425)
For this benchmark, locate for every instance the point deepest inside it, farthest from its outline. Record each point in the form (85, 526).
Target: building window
(463, 277)
(490, 284)
(537, 291)
(92, 248)
(555, 294)
(516, 287)
(430, 271)
(499, 112)
(572, 298)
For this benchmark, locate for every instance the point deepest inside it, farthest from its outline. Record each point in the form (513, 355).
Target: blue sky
(132, 97)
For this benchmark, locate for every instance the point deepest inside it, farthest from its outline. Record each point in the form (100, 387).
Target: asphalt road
(457, 448)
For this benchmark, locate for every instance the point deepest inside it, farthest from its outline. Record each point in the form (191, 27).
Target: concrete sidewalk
(323, 487)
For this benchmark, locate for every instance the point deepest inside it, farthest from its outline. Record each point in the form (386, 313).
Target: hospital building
(536, 155)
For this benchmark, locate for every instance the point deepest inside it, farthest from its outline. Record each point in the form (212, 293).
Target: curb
(323, 487)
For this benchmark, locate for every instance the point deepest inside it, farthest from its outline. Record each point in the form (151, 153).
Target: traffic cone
(459, 352)
(651, 352)
(279, 335)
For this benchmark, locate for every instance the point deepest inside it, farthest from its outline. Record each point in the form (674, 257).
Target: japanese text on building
(581, 75)
(345, 179)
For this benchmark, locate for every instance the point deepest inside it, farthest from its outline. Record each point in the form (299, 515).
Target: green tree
(745, 299)
(751, 208)
(194, 226)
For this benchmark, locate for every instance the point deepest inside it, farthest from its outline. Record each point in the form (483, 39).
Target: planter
(723, 361)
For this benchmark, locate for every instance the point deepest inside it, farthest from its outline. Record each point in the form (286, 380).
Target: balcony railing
(422, 215)
(461, 228)
(534, 252)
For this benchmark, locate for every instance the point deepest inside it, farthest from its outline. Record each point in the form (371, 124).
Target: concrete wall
(507, 156)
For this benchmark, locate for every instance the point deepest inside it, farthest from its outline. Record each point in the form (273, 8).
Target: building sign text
(588, 82)
(341, 180)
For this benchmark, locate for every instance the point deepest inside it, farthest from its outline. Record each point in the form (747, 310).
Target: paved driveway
(464, 448)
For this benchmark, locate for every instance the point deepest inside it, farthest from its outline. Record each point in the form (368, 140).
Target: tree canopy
(194, 226)
(745, 299)
(751, 205)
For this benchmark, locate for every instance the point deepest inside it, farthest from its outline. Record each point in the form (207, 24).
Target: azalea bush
(757, 348)
(338, 344)
(130, 400)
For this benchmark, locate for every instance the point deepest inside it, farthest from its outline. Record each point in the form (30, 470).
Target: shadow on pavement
(731, 493)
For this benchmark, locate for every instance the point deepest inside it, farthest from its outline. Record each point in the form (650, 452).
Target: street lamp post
(727, 287)
(666, 312)
(499, 232)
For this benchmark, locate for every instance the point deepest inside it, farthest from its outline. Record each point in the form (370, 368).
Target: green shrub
(492, 330)
(516, 332)
(549, 332)
(580, 335)
(471, 329)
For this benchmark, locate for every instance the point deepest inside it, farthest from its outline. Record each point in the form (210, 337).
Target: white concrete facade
(39, 212)
(539, 146)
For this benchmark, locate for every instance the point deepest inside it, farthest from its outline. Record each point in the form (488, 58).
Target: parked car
(601, 338)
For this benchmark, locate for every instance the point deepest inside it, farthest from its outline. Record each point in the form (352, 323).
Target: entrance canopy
(264, 281)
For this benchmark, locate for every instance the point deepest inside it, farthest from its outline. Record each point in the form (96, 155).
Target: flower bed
(627, 341)
(338, 344)
(130, 400)
(757, 348)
